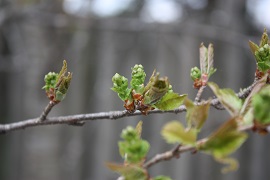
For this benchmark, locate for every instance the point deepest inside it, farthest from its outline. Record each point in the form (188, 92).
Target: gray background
(35, 37)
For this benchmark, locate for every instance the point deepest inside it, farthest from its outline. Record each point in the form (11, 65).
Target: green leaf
(231, 164)
(210, 59)
(139, 128)
(174, 132)
(203, 59)
(261, 105)
(155, 89)
(170, 101)
(62, 72)
(162, 178)
(61, 88)
(248, 117)
(264, 38)
(253, 47)
(225, 140)
(129, 172)
(228, 99)
(247, 108)
(196, 114)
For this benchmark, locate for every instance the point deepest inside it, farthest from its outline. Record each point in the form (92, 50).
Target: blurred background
(99, 38)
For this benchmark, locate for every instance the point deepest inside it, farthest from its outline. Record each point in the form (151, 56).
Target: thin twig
(242, 95)
(174, 153)
(47, 110)
(199, 94)
(79, 118)
(167, 155)
(112, 115)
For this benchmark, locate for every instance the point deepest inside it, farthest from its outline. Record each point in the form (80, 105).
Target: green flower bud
(195, 73)
(129, 134)
(50, 81)
(137, 150)
(120, 85)
(262, 53)
(263, 58)
(138, 78)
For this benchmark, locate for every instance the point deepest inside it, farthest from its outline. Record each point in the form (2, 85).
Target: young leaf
(231, 164)
(129, 172)
(264, 38)
(196, 114)
(155, 89)
(247, 108)
(261, 105)
(174, 132)
(203, 59)
(227, 98)
(162, 178)
(139, 128)
(210, 59)
(248, 117)
(170, 101)
(253, 47)
(224, 141)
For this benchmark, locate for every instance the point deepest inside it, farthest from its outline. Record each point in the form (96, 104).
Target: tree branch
(79, 118)
(112, 115)
(199, 94)
(175, 152)
(47, 110)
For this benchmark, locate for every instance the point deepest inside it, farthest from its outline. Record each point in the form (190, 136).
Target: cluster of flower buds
(137, 78)
(261, 53)
(201, 76)
(56, 85)
(140, 97)
(133, 148)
